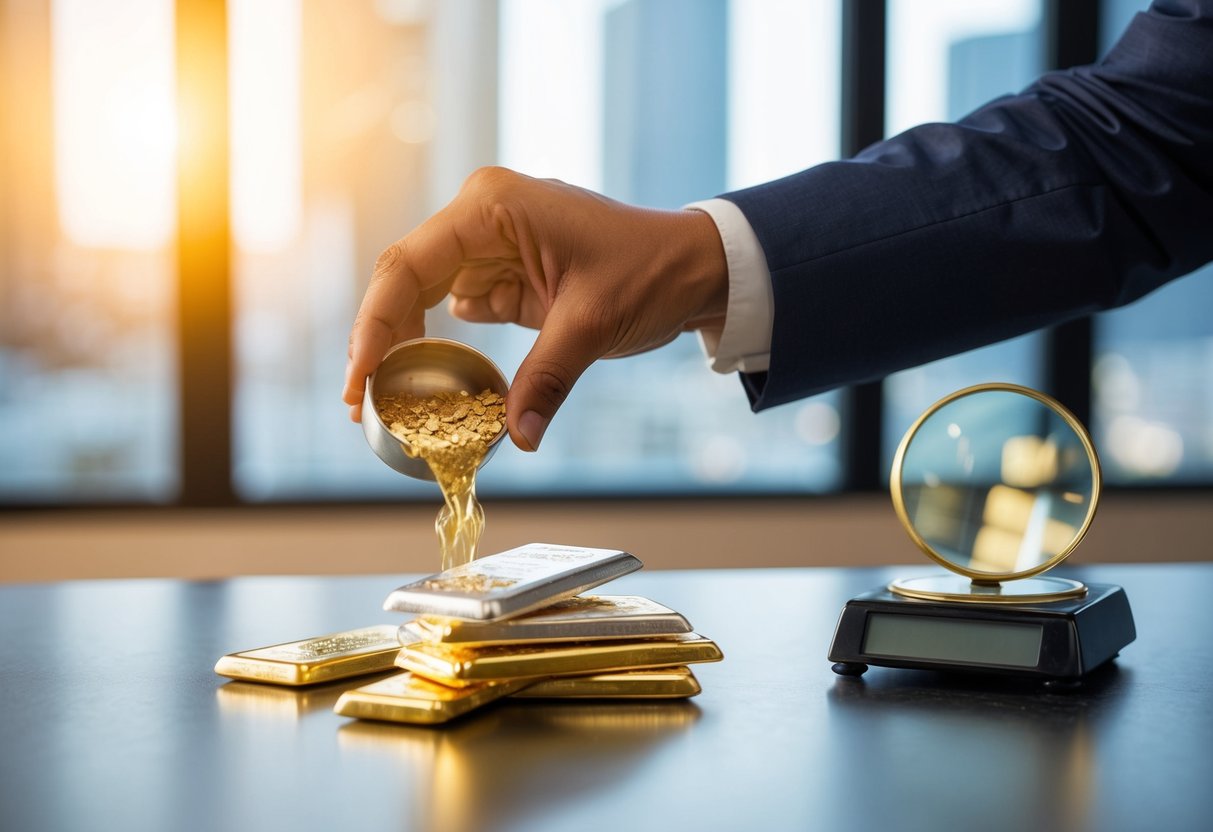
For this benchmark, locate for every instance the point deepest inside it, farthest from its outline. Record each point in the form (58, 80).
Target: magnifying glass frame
(895, 485)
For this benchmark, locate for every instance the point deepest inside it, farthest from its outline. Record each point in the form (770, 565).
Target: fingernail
(531, 425)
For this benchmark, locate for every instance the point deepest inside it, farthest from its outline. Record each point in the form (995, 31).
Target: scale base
(1056, 642)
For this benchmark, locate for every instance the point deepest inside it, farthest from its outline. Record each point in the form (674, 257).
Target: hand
(596, 277)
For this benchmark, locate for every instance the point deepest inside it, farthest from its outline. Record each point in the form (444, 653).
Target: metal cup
(423, 367)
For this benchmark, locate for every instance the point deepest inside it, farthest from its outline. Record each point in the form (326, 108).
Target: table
(112, 719)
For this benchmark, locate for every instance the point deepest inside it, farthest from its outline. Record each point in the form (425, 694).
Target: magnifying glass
(997, 484)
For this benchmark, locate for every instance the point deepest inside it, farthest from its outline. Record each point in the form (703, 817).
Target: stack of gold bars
(511, 624)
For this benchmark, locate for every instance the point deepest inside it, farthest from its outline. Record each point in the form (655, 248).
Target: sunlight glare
(264, 60)
(114, 110)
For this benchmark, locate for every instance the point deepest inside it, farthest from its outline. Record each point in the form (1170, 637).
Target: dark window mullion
(1071, 29)
(863, 105)
(204, 273)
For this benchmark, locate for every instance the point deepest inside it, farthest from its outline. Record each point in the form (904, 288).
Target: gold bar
(458, 666)
(663, 683)
(312, 660)
(584, 618)
(406, 697)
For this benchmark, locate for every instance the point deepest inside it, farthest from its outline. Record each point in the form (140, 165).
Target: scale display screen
(953, 640)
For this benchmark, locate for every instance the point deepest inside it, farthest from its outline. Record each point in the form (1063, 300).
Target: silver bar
(513, 582)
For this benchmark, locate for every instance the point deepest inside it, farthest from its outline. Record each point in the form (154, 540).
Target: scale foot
(1062, 685)
(849, 668)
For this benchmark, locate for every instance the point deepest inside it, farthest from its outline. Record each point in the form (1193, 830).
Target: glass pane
(1153, 385)
(946, 59)
(1153, 372)
(87, 219)
(394, 103)
(691, 101)
(335, 146)
(1114, 18)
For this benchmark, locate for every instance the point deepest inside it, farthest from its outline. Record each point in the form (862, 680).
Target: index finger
(420, 260)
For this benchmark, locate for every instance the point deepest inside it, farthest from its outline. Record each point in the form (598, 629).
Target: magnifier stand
(998, 484)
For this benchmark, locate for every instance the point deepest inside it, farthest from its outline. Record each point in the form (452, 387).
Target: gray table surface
(113, 719)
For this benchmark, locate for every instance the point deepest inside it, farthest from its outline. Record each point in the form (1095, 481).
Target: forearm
(1084, 192)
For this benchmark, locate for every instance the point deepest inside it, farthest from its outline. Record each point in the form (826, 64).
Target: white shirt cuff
(744, 343)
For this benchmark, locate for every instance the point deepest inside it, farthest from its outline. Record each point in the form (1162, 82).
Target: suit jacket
(1084, 192)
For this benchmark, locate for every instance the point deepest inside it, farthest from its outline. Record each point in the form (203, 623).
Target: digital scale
(998, 483)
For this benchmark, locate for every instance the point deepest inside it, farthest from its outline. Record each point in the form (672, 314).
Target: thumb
(563, 350)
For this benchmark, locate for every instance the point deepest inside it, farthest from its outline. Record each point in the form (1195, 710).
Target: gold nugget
(451, 432)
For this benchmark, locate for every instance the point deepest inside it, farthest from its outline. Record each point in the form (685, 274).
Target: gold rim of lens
(1048, 401)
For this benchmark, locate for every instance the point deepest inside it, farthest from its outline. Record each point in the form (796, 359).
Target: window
(336, 141)
(87, 208)
(946, 59)
(1152, 379)
(351, 121)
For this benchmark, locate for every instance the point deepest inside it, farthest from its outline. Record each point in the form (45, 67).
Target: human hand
(596, 277)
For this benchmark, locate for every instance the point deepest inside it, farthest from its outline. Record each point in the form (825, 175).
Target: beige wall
(57, 545)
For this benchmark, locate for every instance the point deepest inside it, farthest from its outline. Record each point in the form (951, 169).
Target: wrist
(702, 268)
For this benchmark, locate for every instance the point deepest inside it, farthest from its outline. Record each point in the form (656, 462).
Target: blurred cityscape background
(352, 120)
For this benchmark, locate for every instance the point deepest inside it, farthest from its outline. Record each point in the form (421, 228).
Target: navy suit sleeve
(1084, 192)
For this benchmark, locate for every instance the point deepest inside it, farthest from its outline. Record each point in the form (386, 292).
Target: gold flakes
(479, 584)
(452, 433)
(447, 413)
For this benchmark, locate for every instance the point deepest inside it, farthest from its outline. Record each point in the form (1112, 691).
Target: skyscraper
(665, 101)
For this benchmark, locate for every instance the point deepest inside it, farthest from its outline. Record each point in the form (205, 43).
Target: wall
(42, 546)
